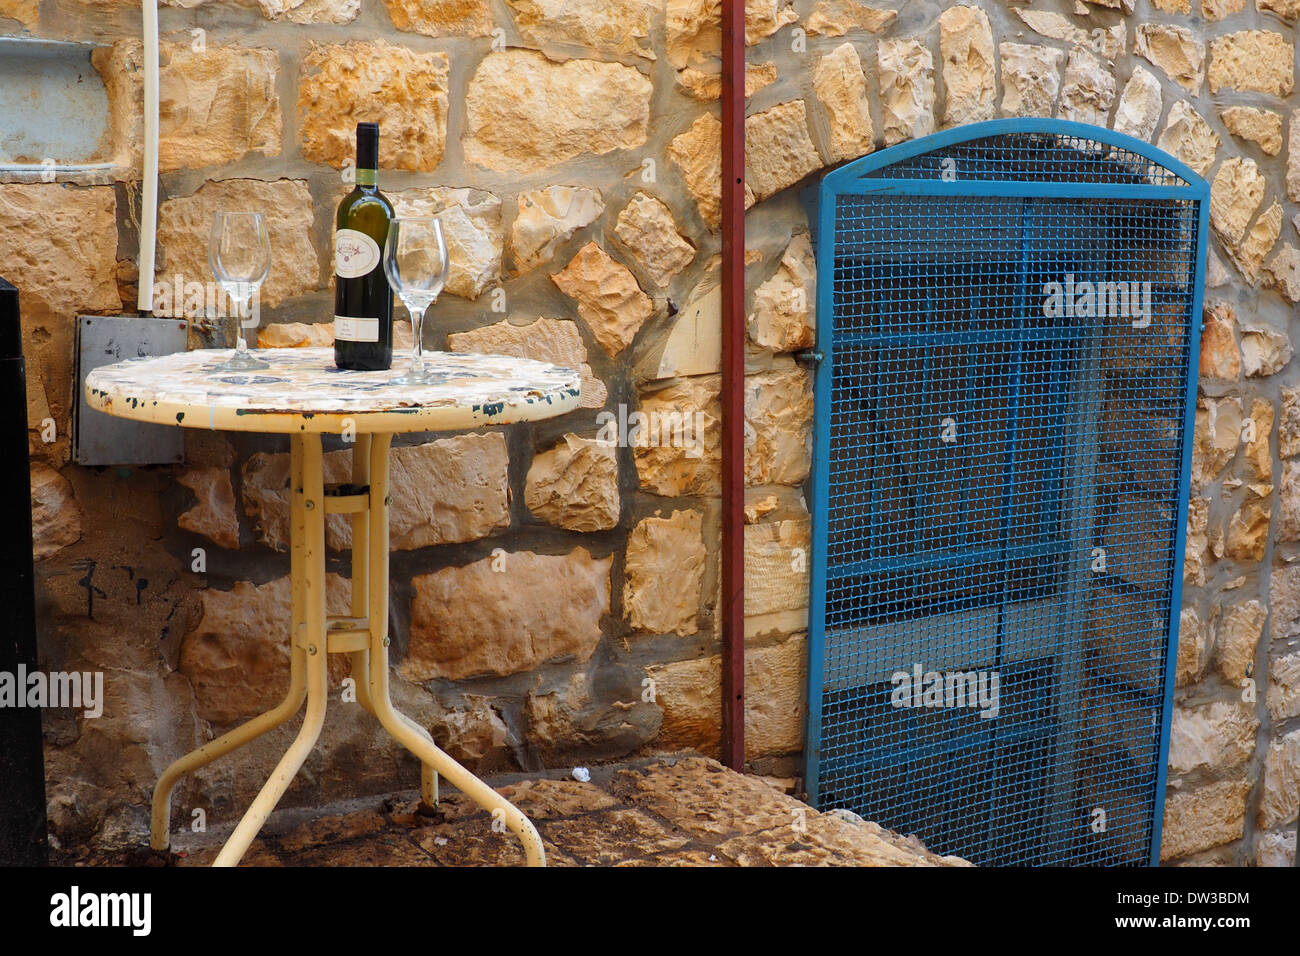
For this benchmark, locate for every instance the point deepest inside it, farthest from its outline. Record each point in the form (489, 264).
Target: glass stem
(242, 305)
(417, 335)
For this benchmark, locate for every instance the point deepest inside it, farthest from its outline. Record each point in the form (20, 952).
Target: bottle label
(349, 328)
(355, 254)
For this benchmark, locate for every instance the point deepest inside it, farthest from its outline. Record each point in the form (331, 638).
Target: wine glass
(239, 254)
(415, 261)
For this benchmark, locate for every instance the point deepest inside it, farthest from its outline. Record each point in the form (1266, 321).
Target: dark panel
(22, 764)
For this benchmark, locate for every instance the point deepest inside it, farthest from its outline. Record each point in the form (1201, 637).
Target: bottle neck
(367, 178)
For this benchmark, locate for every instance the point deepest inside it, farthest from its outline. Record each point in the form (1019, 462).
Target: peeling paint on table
(302, 391)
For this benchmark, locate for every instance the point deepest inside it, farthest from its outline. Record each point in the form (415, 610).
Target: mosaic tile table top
(302, 391)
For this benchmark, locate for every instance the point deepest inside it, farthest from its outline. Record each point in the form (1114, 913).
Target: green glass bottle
(363, 302)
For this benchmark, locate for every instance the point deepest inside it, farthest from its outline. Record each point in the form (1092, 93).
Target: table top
(302, 391)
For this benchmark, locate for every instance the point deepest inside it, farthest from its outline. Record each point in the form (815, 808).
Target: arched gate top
(1044, 155)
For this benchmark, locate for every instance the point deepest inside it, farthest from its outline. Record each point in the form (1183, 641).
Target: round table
(303, 394)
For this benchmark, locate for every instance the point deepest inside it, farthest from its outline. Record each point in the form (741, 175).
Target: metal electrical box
(1009, 315)
(100, 439)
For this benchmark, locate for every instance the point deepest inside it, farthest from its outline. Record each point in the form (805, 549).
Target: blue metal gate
(1009, 317)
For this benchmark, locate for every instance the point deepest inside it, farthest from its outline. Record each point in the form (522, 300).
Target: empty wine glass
(239, 254)
(415, 261)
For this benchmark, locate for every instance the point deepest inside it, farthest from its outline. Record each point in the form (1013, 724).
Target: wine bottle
(363, 302)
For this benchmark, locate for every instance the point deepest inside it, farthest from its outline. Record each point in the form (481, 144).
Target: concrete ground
(688, 811)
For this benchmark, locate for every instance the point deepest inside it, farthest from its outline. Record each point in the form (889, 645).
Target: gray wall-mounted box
(100, 439)
(56, 107)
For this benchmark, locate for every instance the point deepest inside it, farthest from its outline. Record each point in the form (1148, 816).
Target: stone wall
(554, 595)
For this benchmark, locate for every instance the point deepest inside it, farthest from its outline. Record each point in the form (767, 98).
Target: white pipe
(149, 208)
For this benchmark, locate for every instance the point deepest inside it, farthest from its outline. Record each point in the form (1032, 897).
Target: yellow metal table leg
(307, 515)
(409, 734)
(160, 835)
(361, 570)
(361, 675)
(429, 784)
(309, 673)
(360, 604)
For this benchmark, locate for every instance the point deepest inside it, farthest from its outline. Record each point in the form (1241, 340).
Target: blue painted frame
(848, 179)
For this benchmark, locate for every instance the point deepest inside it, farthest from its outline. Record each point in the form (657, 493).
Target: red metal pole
(733, 383)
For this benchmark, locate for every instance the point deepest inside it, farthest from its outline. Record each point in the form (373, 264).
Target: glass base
(241, 361)
(414, 375)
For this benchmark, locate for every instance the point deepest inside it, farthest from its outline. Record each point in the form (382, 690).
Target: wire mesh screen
(1007, 384)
